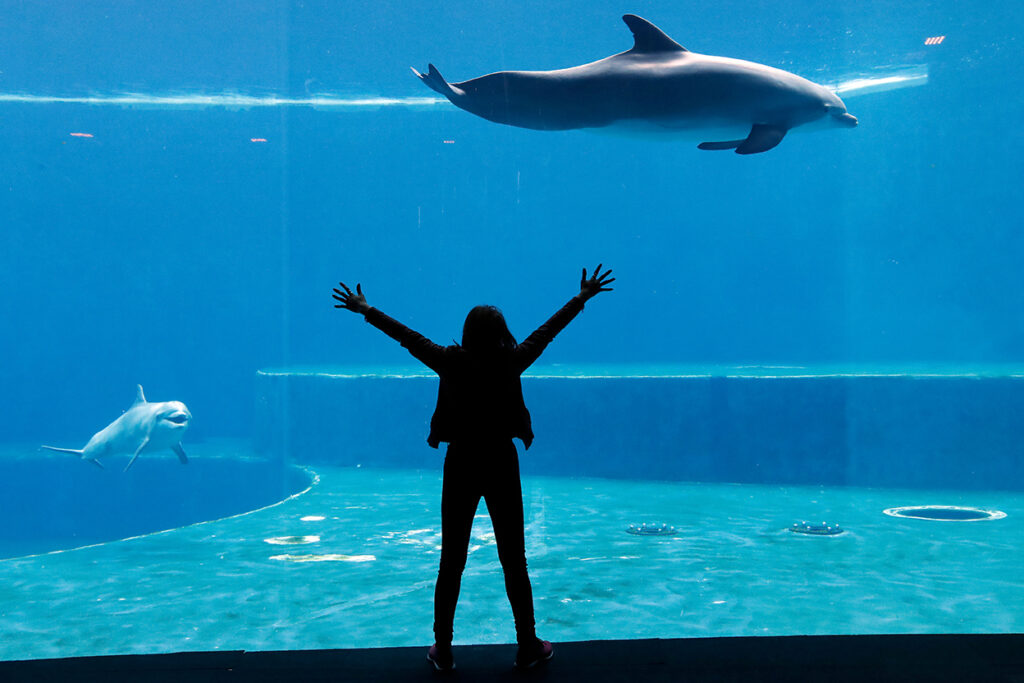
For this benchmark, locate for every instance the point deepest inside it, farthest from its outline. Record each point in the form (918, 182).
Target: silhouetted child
(479, 411)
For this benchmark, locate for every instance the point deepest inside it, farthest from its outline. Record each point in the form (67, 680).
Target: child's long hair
(486, 333)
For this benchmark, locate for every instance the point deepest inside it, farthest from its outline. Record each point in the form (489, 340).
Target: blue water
(171, 249)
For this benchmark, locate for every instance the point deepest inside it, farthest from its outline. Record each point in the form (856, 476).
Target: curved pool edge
(314, 481)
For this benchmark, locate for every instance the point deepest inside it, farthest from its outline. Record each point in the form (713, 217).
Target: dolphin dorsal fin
(139, 396)
(649, 38)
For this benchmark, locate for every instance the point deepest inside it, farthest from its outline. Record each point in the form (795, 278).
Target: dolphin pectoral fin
(182, 458)
(761, 139)
(142, 446)
(724, 144)
(96, 462)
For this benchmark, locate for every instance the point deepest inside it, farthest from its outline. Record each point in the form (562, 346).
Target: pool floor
(359, 570)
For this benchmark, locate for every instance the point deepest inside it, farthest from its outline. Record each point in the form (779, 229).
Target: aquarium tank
(797, 413)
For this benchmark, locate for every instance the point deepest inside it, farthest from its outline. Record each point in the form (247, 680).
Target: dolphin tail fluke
(72, 451)
(75, 451)
(435, 81)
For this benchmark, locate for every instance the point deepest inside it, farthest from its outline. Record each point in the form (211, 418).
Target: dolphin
(143, 426)
(657, 87)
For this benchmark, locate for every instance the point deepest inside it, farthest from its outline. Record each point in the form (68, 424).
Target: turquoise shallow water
(358, 570)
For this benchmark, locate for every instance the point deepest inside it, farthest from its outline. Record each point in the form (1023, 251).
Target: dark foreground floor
(819, 658)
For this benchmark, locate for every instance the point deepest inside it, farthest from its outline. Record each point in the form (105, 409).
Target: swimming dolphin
(143, 426)
(657, 87)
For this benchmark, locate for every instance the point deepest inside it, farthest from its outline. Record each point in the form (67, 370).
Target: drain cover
(945, 513)
(652, 529)
(822, 529)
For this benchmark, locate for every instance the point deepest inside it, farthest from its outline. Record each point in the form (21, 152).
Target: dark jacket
(478, 398)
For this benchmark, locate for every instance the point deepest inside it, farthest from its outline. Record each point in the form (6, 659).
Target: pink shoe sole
(545, 654)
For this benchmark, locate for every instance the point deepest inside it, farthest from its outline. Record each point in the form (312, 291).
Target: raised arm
(421, 348)
(534, 345)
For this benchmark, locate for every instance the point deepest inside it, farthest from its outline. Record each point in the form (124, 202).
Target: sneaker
(534, 653)
(441, 657)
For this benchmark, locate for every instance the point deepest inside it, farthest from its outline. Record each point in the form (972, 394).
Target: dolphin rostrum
(144, 426)
(657, 87)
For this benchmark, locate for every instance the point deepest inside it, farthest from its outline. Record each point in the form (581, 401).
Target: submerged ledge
(671, 371)
(932, 428)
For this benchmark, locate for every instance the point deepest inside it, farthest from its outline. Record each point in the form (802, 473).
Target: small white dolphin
(143, 426)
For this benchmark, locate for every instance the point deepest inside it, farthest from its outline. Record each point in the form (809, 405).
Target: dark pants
(489, 470)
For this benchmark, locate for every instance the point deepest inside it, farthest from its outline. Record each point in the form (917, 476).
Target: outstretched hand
(591, 287)
(354, 302)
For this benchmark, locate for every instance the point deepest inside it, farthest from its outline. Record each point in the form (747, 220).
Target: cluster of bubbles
(652, 529)
(946, 513)
(292, 540)
(823, 529)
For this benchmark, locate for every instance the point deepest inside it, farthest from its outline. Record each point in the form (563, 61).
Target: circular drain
(945, 513)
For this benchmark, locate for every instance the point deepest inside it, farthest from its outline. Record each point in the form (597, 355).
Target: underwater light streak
(226, 100)
(908, 78)
(904, 77)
